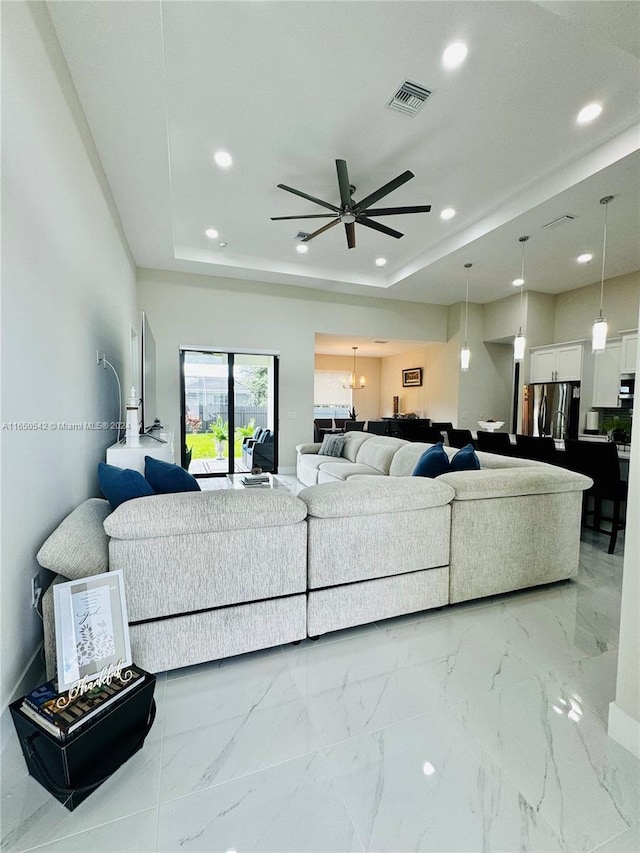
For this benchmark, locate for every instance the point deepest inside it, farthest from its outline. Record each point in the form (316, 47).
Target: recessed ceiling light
(211, 233)
(223, 159)
(589, 113)
(302, 248)
(380, 262)
(222, 244)
(584, 258)
(447, 213)
(517, 282)
(454, 55)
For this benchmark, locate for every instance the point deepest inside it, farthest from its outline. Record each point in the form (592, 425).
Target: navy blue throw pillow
(432, 463)
(465, 460)
(166, 478)
(122, 484)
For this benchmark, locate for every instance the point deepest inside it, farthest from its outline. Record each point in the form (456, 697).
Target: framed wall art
(411, 377)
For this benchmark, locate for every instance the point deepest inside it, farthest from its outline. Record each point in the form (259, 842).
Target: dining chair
(495, 442)
(459, 437)
(540, 449)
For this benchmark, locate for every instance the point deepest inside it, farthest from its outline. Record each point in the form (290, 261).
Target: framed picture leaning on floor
(92, 629)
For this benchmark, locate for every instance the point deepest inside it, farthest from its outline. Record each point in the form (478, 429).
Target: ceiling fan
(352, 211)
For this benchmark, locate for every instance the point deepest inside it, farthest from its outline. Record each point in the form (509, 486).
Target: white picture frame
(92, 628)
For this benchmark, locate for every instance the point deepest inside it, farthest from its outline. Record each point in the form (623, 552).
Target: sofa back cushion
(407, 457)
(79, 546)
(353, 441)
(378, 452)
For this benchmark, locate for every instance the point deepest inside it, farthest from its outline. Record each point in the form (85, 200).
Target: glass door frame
(230, 353)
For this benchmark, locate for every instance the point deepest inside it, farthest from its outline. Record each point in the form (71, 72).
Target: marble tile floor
(479, 727)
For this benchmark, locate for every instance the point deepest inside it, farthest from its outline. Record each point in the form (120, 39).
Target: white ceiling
(288, 87)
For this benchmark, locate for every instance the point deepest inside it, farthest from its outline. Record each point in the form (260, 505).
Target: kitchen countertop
(624, 450)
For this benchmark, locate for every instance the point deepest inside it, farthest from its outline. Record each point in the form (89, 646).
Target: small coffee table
(235, 481)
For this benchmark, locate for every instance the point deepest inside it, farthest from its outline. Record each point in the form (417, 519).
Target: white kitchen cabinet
(628, 354)
(606, 376)
(557, 364)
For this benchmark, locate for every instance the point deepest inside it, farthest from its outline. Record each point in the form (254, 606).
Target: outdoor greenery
(203, 446)
(220, 429)
(255, 381)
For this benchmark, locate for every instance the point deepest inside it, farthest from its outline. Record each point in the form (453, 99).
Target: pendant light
(519, 341)
(465, 352)
(354, 384)
(599, 329)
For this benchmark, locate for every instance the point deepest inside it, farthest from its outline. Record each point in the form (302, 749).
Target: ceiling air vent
(561, 220)
(409, 97)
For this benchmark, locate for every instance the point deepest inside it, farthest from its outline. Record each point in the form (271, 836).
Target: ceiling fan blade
(306, 216)
(391, 211)
(350, 230)
(377, 226)
(385, 190)
(343, 183)
(309, 197)
(320, 230)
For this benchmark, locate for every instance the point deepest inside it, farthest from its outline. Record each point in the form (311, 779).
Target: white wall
(186, 309)
(68, 289)
(624, 713)
(576, 310)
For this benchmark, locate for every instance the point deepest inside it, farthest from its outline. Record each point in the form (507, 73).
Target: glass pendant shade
(465, 357)
(465, 352)
(599, 335)
(519, 341)
(599, 328)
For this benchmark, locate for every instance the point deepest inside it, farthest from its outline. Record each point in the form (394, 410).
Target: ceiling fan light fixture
(347, 217)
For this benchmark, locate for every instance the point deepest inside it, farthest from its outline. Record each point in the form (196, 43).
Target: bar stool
(495, 442)
(599, 460)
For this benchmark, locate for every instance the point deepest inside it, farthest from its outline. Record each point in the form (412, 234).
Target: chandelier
(353, 383)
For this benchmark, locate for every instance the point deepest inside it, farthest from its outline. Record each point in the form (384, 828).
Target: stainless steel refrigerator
(552, 408)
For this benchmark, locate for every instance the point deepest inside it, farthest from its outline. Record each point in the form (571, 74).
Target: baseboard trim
(32, 675)
(624, 729)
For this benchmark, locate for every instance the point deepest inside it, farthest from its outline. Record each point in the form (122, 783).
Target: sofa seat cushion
(373, 494)
(513, 482)
(329, 472)
(79, 546)
(203, 512)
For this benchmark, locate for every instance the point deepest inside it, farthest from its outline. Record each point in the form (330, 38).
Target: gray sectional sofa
(213, 574)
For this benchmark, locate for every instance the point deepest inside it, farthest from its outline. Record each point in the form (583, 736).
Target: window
(330, 399)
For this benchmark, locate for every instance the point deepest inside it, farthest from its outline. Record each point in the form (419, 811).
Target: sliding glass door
(229, 411)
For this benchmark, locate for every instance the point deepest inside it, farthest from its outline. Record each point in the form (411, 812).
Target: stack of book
(256, 480)
(41, 705)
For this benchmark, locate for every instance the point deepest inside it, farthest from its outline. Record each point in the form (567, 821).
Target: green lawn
(204, 447)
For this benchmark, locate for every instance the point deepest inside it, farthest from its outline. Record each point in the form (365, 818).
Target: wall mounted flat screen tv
(148, 389)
